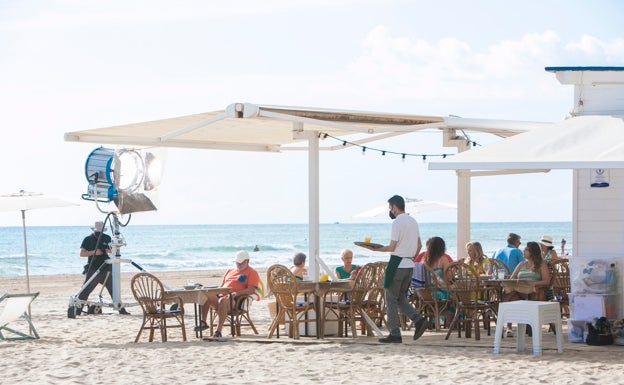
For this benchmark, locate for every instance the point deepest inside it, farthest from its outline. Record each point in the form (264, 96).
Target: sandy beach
(99, 349)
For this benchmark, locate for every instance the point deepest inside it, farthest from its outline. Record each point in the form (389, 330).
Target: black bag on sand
(599, 332)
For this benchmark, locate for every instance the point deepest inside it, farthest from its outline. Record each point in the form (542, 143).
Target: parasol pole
(25, 250)
(26, 256)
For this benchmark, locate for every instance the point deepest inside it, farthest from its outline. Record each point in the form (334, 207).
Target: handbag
(599, 332)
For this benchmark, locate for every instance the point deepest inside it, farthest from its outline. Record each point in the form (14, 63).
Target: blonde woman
(476, 258)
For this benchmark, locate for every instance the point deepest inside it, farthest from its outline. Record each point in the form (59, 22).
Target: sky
(73, 65)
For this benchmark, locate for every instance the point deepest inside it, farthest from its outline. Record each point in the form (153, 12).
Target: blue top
(510, 255)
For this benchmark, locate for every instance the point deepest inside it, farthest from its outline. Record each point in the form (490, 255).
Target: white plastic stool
(534, 313)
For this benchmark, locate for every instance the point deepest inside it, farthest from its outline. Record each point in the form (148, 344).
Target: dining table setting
(198, 295)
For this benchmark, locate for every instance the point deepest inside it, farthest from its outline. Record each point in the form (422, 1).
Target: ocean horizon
(55, 249)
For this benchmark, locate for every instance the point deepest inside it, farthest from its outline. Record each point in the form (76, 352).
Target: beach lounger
(16, 307)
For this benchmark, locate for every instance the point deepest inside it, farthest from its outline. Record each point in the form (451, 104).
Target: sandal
(202, 326)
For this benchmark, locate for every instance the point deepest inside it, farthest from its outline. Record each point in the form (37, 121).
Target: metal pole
(117, 242)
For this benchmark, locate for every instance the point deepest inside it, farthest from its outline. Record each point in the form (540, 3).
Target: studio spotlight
(127, 177)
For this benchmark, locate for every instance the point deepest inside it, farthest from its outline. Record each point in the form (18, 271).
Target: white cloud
(591, 50)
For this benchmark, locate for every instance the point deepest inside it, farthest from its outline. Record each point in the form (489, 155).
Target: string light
(403, 155)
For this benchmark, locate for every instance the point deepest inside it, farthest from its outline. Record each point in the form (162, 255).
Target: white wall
(599, 224)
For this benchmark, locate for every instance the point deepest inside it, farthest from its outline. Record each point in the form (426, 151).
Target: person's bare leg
(211, 301)
(223, 308)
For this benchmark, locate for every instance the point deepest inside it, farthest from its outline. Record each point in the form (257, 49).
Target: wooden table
(198, 297)
(319, 289)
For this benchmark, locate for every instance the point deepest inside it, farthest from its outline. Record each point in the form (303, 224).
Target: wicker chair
(364, 298)
(283, 284)
(150, 294)
(468, 298)
(367, 297)
(374, 301)
(498, 265)
(430, 304)
(240, 314)
(560, 278)
(495, 293)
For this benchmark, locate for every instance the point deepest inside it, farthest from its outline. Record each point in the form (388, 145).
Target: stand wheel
(71, 312)
(94, 309)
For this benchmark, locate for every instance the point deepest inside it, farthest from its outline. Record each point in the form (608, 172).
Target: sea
(55, 250)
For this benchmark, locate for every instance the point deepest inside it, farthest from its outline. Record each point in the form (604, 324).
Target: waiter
(405, 244)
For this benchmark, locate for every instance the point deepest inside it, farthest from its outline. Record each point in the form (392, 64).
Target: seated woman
(476, 258)
(299, 268)
(548, 250)
(533, 268)
(347, 270)
(549, 253)
(435, 259)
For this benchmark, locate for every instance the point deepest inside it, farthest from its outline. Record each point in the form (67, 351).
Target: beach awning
(575, 143)
(251, 127)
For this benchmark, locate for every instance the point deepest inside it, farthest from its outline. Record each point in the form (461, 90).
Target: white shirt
(406, 234)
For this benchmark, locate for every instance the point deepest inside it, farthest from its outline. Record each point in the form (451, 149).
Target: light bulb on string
(403, 158)
(363, 150)
(424, 158)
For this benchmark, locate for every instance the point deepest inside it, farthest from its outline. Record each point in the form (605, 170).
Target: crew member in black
(96, 247)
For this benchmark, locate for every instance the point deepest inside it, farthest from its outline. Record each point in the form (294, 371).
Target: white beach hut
(591, 143)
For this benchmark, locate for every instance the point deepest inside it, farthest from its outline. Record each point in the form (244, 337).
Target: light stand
(117, 242)
(129, 178)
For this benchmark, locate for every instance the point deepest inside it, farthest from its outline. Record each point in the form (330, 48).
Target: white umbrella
(412, 206)
(28, 201)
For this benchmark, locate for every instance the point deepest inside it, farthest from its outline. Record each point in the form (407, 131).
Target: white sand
(99, 349)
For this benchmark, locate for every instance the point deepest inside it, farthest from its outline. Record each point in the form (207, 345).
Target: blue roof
(555, 69)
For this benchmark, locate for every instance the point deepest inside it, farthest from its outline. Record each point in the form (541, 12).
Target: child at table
(346, 271)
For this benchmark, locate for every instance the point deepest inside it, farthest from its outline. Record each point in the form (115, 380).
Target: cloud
(591, 50)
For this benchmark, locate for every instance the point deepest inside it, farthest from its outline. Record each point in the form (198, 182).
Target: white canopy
(250, 127)
(575, 143)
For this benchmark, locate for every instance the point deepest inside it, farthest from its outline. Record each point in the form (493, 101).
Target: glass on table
(486, 268)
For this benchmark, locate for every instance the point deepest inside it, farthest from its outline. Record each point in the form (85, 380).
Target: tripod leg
(75, 303)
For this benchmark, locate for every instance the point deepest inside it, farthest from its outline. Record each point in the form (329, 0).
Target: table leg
(320, 309)
(198, 329)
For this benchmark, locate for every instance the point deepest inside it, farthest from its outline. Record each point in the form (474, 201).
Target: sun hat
(242, 256)
(546, 240)
(99, 227)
